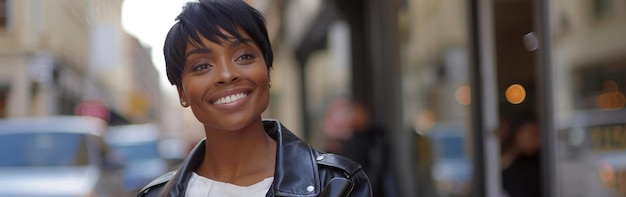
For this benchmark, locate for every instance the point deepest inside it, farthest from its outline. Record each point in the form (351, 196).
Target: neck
(239, 157)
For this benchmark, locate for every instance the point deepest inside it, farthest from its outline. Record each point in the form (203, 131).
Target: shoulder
(154, 186)
(347, 166)
(342, 176)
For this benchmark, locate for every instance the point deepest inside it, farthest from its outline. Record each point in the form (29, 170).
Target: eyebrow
(201, 50)
(238, 42)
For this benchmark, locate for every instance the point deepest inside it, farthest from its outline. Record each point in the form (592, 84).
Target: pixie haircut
(207, 18)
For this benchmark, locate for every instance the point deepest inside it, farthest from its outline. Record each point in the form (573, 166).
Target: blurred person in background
(368, 146)
(218, 56)
(521, 157)
(338, 125)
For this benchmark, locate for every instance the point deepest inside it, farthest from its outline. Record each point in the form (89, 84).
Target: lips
(230, 98)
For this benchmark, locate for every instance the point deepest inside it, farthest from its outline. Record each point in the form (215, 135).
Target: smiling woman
(228, 80)
(218, 56)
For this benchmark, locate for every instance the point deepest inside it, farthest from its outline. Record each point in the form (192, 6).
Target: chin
(234, 124)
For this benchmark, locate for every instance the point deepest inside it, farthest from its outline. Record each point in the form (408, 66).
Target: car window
(43, 149)
(137, 151)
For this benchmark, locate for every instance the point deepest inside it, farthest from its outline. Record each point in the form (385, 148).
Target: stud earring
(184, 103)
(270, 84)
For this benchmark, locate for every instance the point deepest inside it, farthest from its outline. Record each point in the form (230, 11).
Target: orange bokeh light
(612, 98)
(515, 94)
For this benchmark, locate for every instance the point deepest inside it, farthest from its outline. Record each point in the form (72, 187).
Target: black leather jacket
(300, 171)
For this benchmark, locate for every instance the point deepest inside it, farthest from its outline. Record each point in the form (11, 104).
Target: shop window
(601, 85)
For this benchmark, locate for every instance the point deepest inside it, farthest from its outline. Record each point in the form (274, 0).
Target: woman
(218, 56)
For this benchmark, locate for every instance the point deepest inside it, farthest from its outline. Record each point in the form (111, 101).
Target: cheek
(261, 75)
(193, 89)
(263, 83)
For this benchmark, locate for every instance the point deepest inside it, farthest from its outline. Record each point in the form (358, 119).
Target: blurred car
(452, 169)
(146, 154)
(55, 156)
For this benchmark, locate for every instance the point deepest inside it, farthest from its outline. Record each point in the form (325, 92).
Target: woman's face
(226, 85)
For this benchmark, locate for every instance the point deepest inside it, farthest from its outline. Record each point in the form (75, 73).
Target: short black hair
(205, 19)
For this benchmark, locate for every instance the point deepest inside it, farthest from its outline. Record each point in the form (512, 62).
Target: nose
(227, 73)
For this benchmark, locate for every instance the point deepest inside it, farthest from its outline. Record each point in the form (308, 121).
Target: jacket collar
(295, 173)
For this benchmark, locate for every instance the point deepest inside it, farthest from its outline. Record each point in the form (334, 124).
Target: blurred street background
(495, 98)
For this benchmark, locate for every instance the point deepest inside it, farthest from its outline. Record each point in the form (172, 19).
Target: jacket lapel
(296, 170)
(178, 184)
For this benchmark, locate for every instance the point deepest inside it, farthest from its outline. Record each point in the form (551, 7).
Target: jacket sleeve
(360, 185)
(343, 177)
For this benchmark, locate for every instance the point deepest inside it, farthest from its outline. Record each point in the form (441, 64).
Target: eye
(247, 56)
(200, 67)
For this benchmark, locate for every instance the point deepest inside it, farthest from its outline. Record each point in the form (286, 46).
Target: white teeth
(230, 99)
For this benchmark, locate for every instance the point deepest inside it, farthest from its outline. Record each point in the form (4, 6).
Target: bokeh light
(611, 98)
(515, 94)
(463, 95)
(425, 121)
(606, 173)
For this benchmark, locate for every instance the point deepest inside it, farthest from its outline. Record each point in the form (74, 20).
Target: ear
(181, 97)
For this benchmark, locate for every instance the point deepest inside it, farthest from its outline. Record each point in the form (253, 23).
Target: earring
(184, 104)
(270, 84)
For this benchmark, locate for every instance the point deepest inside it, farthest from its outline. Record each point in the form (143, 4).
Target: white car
(55, 156)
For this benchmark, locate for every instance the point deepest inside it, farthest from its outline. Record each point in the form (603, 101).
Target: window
(436, 88)
(589, 102)
(23, 148)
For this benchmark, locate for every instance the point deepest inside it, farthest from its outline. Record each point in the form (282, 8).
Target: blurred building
(56, 56)
(285, 102)
(465, 67)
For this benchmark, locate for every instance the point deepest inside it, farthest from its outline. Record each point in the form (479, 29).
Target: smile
(230, 99)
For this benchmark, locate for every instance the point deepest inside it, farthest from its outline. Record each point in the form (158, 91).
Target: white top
(202, 186)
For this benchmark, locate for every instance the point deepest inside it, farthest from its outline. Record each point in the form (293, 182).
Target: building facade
(467, 69)
(58, 55)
